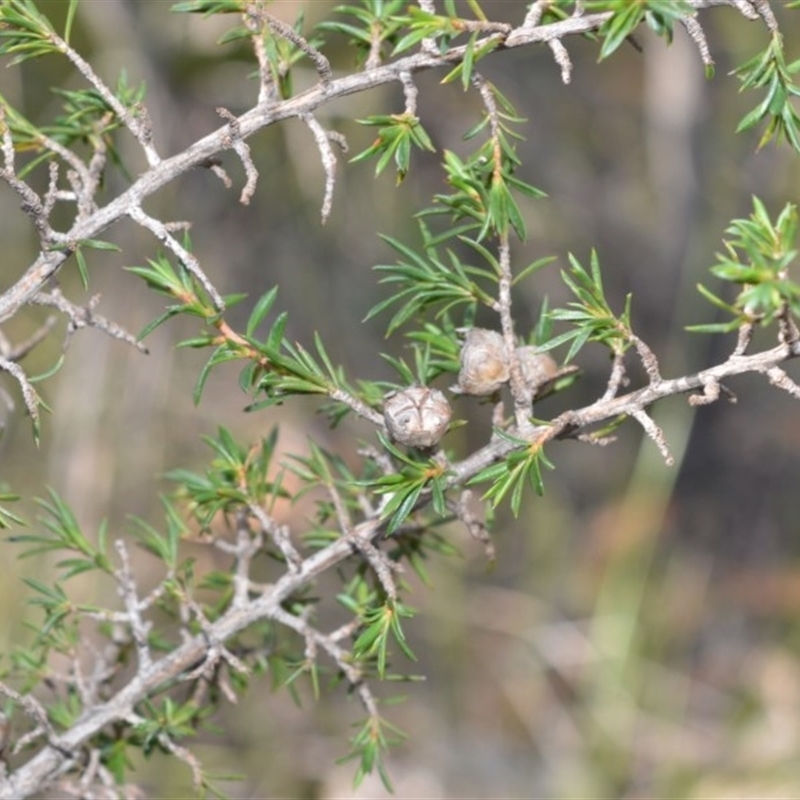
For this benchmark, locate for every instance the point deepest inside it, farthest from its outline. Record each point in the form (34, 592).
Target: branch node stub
(710, 394)
(234, 130)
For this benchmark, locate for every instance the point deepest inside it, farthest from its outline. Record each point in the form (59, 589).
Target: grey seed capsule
(417, 416)
(484, 367)
(537, 368)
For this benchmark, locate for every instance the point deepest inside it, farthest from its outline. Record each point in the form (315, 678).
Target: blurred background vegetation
(639, 635)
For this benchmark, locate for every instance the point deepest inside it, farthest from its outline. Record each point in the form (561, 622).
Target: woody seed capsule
(537, 368)
(417, 416)
(484, 368)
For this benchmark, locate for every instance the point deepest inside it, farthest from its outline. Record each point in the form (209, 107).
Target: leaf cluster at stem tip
(769, 70)
(589, 315)
(757, 256)
(626, 16)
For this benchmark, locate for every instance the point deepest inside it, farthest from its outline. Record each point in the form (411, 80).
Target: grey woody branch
(573, 423)
(198, 655)
(363, 537)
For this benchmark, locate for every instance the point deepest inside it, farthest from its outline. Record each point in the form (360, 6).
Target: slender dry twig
(280, 535)
(320, 62)
(562, 58)
(698, 36)
(745, 8)
(85, 316)
(188, 758)
(410, 92)
(648, 358)
(655, 433)
(140, 628)
(381, 564)
(475, 527)
(247, 545)
(338, 654)
(373, 59)
(428, 45)
(743, 338)
(215, 165)
(31, 204)
(534, 15)
(764, 10)
(267, 87)
(162, 232)
(34, 710)
(235, 142)
(328, 158)
(777, 377)
(18, 351)
(520, 390)
(711, 390)
(357, 406)
(138, 123)
(617, 378)
(29, 395)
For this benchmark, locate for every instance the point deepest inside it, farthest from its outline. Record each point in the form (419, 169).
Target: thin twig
(139, 125)
(655, 433)
(648, 358)
(617, 378)
(267, 88)
(777, 377)
(140, 628)
(743, 338)
(339, 655)
(188, 758)
(562, 58)
(320, 62)
(520, 390)
(162, 232)
(328, 158)
(475, 527)
(248, 545)
(373, 59)
(21, 349)
(85, 317)
(698, 36)
(428, 45)
(410, 92)
(534, 15)
(358, 406)
(32, 204)
(381, 564)
(215, 165)
(279, 534)
(235, 142)
(765, 12)
(29, 395)
(745, 8)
